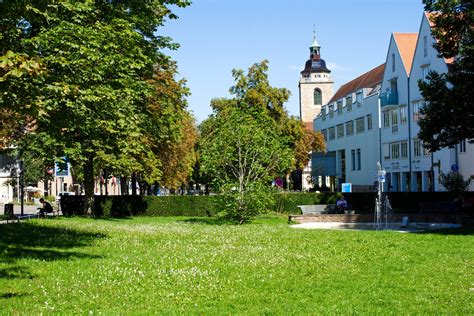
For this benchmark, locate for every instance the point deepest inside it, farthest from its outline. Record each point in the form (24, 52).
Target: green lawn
(192, 266)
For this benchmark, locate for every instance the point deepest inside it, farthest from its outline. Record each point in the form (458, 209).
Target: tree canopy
(88, 80)
(449, 112)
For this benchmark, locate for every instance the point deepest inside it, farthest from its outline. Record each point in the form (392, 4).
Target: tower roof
(315, 64)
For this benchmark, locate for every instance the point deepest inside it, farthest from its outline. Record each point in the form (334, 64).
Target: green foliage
(91, 82)
(191, 266)
(244, 206)
(243, 151)
(450, 95)
(454, 182)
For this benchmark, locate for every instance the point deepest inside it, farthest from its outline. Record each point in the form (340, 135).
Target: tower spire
(315, 49)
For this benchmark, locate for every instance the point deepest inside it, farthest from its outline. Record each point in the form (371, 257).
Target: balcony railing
(388, 98)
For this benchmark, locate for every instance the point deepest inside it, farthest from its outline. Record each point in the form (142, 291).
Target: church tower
(315, 86)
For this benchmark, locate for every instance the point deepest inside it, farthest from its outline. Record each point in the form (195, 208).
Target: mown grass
(201, 266)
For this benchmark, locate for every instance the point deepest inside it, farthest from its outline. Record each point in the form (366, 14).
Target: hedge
(185, 205)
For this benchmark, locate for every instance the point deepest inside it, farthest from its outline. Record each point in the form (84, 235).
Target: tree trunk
(89, 185)
(123, 186)
(134, 183)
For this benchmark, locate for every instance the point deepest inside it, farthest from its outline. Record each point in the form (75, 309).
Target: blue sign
(455, 168)
(381, 177)
(346, 187)
(61, 169)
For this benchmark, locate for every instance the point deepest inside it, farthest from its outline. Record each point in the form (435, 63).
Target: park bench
(318, 209)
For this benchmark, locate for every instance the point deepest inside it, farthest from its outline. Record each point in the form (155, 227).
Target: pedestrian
(47, 208)
(342, 205)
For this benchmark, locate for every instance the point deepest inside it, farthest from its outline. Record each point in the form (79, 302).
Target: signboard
(455, 168)
(61, 169)
(346, 187)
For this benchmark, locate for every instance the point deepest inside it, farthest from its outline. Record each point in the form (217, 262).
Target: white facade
(409, 166)
(395, 121)
(395, 113)
(350, 125)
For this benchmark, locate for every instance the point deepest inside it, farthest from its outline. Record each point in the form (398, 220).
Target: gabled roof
(406, 44)
(429, 17)
(367, 80)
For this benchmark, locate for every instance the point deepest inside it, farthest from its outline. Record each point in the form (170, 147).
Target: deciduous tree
(449, 111)
(91, 101)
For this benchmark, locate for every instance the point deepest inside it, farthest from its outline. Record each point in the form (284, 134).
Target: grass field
(196, 266)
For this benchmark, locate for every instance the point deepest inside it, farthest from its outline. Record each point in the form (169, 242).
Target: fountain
(382, 204)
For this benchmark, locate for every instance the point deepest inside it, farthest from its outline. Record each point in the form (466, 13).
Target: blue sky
(219, 35)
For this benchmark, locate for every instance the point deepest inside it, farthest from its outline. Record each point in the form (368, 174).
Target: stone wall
(367, 218)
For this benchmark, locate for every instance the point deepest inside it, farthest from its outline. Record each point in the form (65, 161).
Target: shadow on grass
(29, 241)
(208, 221)
(111, 219)
(462, 231)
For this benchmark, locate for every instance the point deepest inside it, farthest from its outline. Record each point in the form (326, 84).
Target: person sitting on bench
(342, 205)
(47, 208)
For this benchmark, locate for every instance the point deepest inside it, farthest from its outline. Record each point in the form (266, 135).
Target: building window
(359, 97)
(360, 125)
(318, 98)
(403, 114)
(394, 120)
(462, 146)
(425, 46)
(332, 133)
(325, 134)
(331, 110)
(369, 122)
(404, 150)
(339, 107)
(350, 128)
(395, 150)
(393, 62)
(340, 130)
(416, 111)
(418, 148)
(358, 159)
(425, 70)
(349, 103)
(386, 151)
(386, 119)
(353, 160)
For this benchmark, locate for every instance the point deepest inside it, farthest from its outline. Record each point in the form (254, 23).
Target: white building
(409, 166)
(349, 123)
(353, 148)
(8, 175)
(395, 122)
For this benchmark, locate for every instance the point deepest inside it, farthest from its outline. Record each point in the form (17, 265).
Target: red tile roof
(406, 43)
(367, 80)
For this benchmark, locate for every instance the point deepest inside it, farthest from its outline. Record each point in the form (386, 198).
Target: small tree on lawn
(454, 182)
(242, 151)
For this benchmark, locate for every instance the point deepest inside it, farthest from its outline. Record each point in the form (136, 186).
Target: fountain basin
(394, 226)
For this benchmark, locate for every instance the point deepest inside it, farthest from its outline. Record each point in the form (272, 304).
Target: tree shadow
(29, 241)
(208, 221)
(462, 231)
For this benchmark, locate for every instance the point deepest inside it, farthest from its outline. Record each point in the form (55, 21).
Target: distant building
(375, 118)
(315, 90)
(349, 123)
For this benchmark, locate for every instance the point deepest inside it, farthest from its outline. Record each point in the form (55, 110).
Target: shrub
(243, 206)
